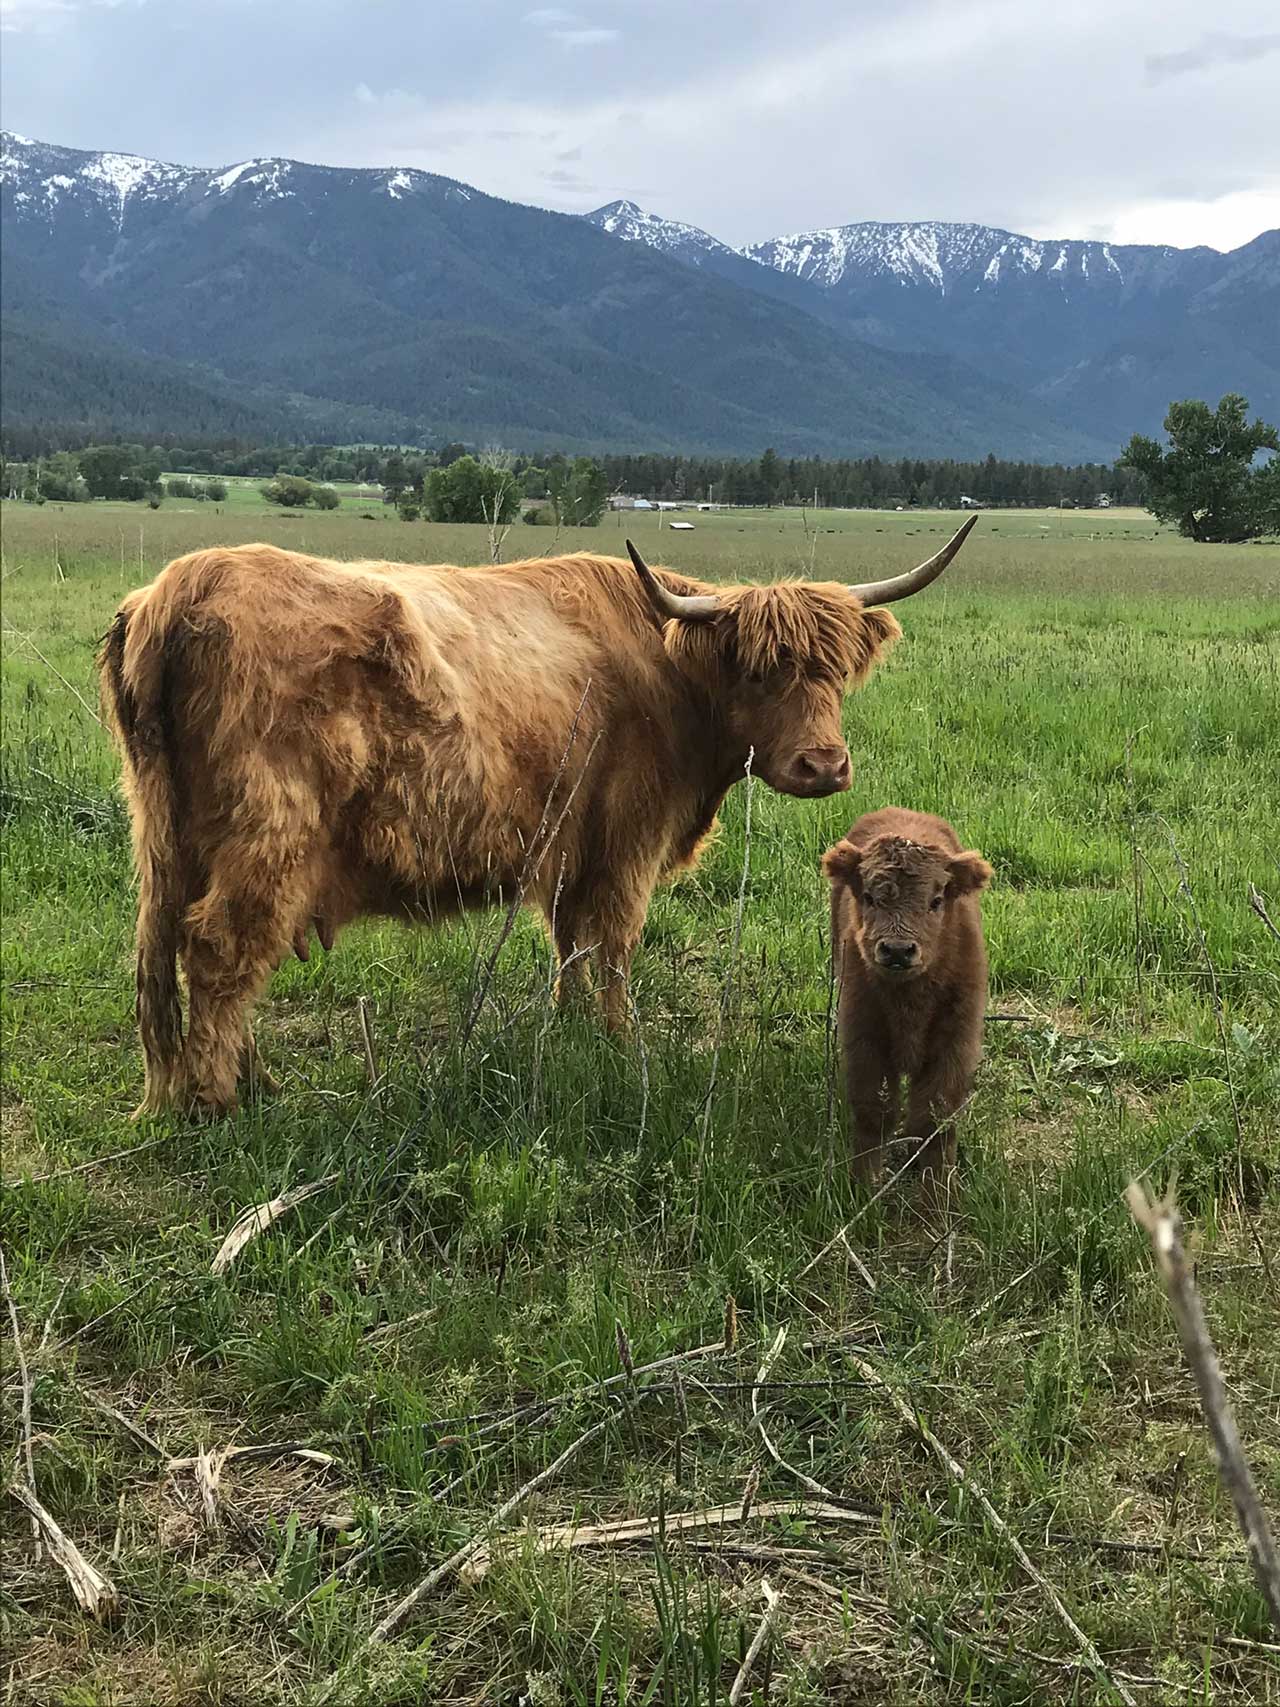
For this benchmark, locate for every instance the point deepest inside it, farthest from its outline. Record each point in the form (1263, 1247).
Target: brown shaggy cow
(906, 931)
(311, 741)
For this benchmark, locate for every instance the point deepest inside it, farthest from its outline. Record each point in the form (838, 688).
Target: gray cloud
(1215, 48)
(741, 118)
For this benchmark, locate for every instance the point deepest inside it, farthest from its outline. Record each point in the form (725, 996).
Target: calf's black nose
(896, 955)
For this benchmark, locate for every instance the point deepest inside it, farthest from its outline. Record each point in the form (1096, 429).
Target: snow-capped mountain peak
(944, 256)
(630, 222)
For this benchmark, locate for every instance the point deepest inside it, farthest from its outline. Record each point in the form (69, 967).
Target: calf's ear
(967, 873)
(843, 864)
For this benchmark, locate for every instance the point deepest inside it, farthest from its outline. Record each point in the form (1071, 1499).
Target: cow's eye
(868, 900)
(935, 903)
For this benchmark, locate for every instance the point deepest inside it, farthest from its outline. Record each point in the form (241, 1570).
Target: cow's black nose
(897, 955)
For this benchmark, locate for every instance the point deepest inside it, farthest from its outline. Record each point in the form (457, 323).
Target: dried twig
(54, 671)
(571, 1537)
(771, 1602)
(208, 1475)
(757, 1416)
(24, 1375)
(384, 1631)
(726, 999)
(257, 1219)
(539, 845)
(1260, 908)
(241, 1454)
(1164, 1226)
(1084, 1227)
(97, 1162)
(95, 1593)
(366, 1039)
(130, 1427)
(842, 1235)
(960, 1475)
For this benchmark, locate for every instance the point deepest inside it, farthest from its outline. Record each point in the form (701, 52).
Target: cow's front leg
(935, 1096)
(605, 929)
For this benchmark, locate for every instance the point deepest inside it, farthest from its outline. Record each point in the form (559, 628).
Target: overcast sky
(1133, 120)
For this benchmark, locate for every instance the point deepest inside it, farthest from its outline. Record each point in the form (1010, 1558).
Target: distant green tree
(770, 477)
(579, 492)
(408, 506)
(215, 490)
(104, 467)
(467, 491)
(325, 498)
(290, 491)
(534, 481)
(395, 476)
(60, 479)
(1207, 483)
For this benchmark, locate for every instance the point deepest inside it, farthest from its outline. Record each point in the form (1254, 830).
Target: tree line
(1214, 481)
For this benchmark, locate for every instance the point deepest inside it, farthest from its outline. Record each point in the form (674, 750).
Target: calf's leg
(873, 1106)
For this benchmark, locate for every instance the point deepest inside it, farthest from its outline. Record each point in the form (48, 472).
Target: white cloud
(1223, 223)
(546, 17)
(1217, 47)
(585, 37)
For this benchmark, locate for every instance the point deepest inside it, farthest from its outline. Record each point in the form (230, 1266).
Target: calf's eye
(935, 903)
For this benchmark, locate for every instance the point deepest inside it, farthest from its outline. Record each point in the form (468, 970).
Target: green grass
(1095, 706)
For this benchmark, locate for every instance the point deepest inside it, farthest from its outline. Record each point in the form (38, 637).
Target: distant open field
(1096, 705)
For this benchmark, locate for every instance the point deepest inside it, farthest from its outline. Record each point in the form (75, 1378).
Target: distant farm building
(967, 503)
(680, 527)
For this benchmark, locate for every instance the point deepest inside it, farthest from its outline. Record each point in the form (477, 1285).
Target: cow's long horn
(902, 586)
(685, 607)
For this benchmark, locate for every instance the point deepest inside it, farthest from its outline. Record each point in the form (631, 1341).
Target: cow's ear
(843, 864)
(881, 628)
(967, 873)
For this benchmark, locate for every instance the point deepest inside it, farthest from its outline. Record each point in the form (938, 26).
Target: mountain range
(277, 298)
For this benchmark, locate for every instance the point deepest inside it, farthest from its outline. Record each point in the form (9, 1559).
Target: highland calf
(306, 742)
(906, 933)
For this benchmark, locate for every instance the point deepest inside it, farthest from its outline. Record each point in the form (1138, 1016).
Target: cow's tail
(134, 666)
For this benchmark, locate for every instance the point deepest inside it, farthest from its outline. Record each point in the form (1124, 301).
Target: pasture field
(504, 1235)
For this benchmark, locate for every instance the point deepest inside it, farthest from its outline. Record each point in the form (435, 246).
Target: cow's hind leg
(260, 885)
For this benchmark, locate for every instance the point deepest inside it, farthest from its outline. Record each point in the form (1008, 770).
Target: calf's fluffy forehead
(896, 863)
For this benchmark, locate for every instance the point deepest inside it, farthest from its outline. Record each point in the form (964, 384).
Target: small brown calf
(906, 932)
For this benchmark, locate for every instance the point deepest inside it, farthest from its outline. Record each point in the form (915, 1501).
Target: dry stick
(771, 1602)
(865, 1272)
(1260, 908)
(959, 1474)
(726, 996)
(1164, 1226)
(843, 1233)
(384, 1631)
(95, 1593)
(366, 1038)
(1095, 1217)
(97, 1162)
(130, 1427)
(757, 1416)
(538, 1410)
(24, 1375)
(1220, 1021)
(539, 845)
(54, 671)
(650, 1531)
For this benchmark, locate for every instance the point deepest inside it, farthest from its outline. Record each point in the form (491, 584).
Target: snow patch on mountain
(630, 222)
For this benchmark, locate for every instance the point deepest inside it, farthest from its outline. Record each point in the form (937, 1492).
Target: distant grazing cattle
(906, 931)
(307, 741)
